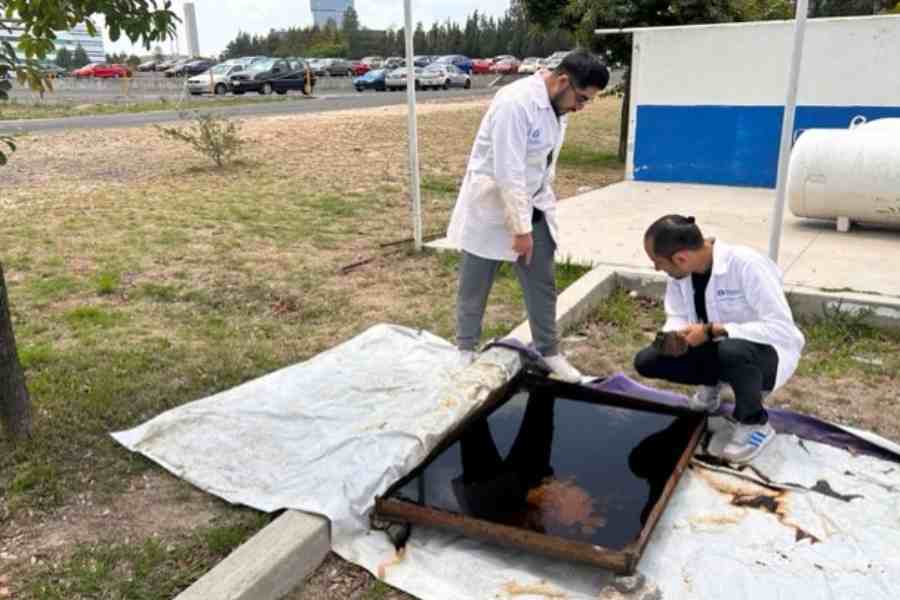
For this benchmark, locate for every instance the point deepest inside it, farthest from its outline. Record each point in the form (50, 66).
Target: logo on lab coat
(728, 294)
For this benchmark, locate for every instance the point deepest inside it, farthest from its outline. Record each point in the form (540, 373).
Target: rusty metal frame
(622, 561)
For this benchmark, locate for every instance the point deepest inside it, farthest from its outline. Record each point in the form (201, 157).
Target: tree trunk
(15, 406)
(623, 126)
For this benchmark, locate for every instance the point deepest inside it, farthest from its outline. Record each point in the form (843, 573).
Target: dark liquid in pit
(569, 468)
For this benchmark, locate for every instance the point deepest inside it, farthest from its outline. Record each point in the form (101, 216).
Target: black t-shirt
(700, 281)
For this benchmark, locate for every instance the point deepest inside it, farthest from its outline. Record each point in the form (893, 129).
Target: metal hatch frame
(623, 561)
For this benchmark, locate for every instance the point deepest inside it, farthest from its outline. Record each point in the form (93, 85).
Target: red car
(360, 68)
(506, 66)
(482, 66)
(102, 70)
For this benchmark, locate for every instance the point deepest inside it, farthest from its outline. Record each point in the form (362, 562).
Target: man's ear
(681, 259)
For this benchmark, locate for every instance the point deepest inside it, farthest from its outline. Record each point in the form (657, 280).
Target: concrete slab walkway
(606, 226)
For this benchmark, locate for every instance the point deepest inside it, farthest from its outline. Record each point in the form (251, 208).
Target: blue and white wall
(707, 101)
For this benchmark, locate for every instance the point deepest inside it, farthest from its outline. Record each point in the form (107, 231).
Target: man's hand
(695, 334)
(670, 343)
(523, 245)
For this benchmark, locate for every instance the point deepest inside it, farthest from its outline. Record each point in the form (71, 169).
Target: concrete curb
(576, 301)
(270, 564)
(280, 557)
(882, 311)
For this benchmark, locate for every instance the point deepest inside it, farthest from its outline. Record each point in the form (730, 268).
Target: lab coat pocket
(734, 308)
(485, 204)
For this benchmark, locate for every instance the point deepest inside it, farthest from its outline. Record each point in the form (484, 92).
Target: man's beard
(555, 101)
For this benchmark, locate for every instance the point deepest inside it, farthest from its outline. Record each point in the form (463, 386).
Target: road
(329, 100)
(293, 105)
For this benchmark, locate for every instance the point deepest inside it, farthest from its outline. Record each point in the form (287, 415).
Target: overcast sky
(218, 21)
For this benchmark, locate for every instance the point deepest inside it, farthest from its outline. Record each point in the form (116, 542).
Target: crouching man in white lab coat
(506, 209)
(728, 304)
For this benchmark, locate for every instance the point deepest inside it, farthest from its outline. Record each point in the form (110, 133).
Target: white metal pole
(413, 135)
(787, 130)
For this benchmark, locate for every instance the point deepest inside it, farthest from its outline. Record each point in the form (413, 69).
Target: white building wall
(69, 40)
(710, 97)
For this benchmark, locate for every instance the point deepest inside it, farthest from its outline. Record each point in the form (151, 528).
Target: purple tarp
(784, 421)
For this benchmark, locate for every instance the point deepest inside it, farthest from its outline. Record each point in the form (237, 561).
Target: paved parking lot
(294, 103)
(153, 86)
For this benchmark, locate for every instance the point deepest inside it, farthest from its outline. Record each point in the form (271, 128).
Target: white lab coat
(745, 296)
(508, 172)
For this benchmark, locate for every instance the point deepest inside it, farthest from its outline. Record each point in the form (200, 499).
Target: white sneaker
(706, 399)
(747, 442)
(466, 358)
(562, 369)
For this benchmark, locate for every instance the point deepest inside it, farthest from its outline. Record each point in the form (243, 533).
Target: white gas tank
(848, 174)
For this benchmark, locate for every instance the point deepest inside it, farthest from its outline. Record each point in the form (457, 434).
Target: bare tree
(15, 406)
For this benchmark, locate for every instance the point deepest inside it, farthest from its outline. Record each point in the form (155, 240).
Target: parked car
(196, 67)
(463, 63)
(360, 68)
(373, 62)
(482, 66)
(335, 67)
(176, 69)
(165, 65)
(396, 79)
(372, 80)
(556, 58)
(422, 60)
(148, 66)
(101, 70)
(187, 68)
(246, 60)
(506, 66)
(444, 76)
(219, 78)
(274, 75)
(243, 61)
(427, 79)
(394, 62)
(530, 65)
(317, 65)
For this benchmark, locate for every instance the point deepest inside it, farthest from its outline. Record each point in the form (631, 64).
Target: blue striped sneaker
(747, 442)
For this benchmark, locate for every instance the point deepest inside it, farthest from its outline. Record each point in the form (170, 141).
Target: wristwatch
(708, 330)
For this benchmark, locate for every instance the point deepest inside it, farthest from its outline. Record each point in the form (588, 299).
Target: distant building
(323, 10)
(11, 30)
(190, 29)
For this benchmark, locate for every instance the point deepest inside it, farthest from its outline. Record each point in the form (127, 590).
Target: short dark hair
(584, 68)
(672, 234)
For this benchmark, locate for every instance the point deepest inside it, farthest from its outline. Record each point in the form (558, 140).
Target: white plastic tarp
(328, 435)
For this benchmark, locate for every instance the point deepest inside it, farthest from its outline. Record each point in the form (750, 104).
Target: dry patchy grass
(141, 278)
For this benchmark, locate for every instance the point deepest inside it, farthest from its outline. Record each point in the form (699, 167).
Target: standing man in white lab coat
(728, 304)
(506, 209)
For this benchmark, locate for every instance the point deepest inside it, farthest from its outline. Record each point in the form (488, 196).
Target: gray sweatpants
(476, 276)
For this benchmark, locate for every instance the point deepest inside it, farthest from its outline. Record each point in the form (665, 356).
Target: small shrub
(107, 282)
(214, 137)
